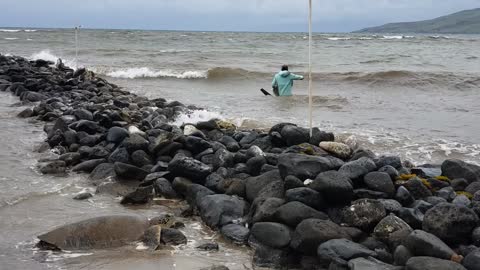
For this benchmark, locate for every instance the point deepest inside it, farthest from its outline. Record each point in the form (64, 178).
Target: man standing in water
(283, 82)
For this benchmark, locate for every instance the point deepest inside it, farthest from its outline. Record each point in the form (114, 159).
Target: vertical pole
(76, 47)
(310, 101)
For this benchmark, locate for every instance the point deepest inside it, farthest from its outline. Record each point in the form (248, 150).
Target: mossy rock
(222, 124)
(406, 177)
(442, 178)
(467, 194)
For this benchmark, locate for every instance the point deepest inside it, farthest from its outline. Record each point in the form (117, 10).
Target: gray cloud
(248, 15)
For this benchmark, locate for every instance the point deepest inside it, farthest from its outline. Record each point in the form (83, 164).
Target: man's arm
(274, 82)
(296, 77)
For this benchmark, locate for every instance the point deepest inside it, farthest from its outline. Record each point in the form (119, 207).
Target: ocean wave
(49, 56)
(195, 116)
(145, 72)
(8, 38)
(10, 30)
(30, 30)
(392, 37)
(339, 38)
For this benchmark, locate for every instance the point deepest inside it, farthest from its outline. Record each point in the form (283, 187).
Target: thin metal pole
(76, 47)
(310, 101)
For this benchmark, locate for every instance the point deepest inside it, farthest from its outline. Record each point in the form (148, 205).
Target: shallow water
(31, 204)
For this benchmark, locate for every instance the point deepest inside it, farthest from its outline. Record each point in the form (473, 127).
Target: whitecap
(338, 38)
(145, 72)
(10, 30)
(30, 30)
(49, 56)
(392, 37)
(8, 38)
(196, 116)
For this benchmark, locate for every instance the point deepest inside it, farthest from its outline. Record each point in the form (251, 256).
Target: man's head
(284, 67)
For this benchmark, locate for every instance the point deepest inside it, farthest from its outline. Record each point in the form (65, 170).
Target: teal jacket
(284, 81)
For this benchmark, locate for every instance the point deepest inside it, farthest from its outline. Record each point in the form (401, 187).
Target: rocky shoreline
(300, 201)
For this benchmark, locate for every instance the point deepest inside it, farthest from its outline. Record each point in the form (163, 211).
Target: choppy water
(413, 95)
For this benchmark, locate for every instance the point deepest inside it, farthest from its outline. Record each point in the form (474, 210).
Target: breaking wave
(145, 72)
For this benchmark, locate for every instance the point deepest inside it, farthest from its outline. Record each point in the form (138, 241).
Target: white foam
(196, 116)
(393, 37)
(30, 30)
(338, 38)
(10, 30)
(49, 56)
(9, 38)
(145, 72)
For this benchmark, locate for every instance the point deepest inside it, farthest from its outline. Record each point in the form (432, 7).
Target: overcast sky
(220, 15)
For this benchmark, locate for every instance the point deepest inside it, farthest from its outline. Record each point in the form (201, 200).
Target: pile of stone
(300, 201)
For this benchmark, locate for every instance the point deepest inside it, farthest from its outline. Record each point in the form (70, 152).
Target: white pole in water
(76, 46)
(310, 101)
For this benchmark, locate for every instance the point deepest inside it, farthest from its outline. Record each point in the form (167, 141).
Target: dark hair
(284, 67)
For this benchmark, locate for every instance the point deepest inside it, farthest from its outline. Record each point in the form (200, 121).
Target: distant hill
(463, 22)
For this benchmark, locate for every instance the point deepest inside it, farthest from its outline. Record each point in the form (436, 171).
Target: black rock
(389, 225)
(270, 258)
(254, 165)
(140, 158)
(459, 184)
(306, 196)
(334, 186)
(264, 208)
(119, 155)
(135, 142)
(164, 188)
(142, 195)
(236, 233)
(173, 237)
(390, 170)
(362, 193)
(102, 171)
(89, 127)
(83, 114)
(319, 136)
(274, 235)
(254, 151)
(393, 161)
(447, 193)
(421, 243)
(208, 246)
(380, 181)
(83, 196)
(391, 206)
(364, 214)
(404, 197)
(53, 167)
(189, 168)
(292, 182)
(88, 166)
(417, 189)
(293, 135)
(223, 158)
(129, 172)
(28, 112)
(71, 158)
(402, 255)
(443, 221)
(358, 168)
(476, 236)
(342, 249)
(194, 192)
(371, 264)
(473, 187)
(293, 213)
(413, 217)
(218, 210)
(274, 189)
(454, 168)
(310, 233)
(213, 180)
(196, 145)
(254, 185)
(229, 142)
(429, 263)
(472, 260)
(306, 167)
(116, 135)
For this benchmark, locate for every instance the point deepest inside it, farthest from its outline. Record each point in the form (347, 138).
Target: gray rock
(417, 189)
(236, 233)
(310, 233)
(292, 182)
(306, 167)
(83, 196)
(389, 225)
(342, 249)
(254, 185)
(140, 158)
(393, 161)
(254, 165)
(195, 193)
(454, 168)
(462, 200)
(83, 114)
(476, 236)
(135, 142)
(380, 181)
(173, 237)
(473, 187)
(391, 206)
(421, 243)
(274, 235)
(429, 263)
(459, 184)
(443, 221)
(390, 170)
(218, 210)
(129, 172)
(306, 196)
(370, 264)
(434, 200)
(102, 171)
(413, 217)
(208, 246)
(164, 188)
(358, 168)
(71, 158)
(270, 258)
(402, 255)
(422, 206)
(53, 167)
(264, 208)
(472, 260)
(364, 214)
(293, 213)
(404, 197)
(116, 135)
(334, 186)
(142, 195)
(189, 168)
(293, 135)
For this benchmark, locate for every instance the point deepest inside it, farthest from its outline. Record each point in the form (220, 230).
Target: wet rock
(194, 193)
(390, 170)
(413, 217)
(393, 161)
(334, 186)
(274, 235)
(339, 150)
(391, 206)
(189, 168)
(254, 185)
(454, 168)
(53, 167)
(116, 135)
(421, 243)
(208, 246)
(306, 167)
(443, 221)
(83, 196)
(293, 135)
(310, 233)
(389, 225)
(32, 96)
(268, 257)
(292, 182)
(71, 158)
(404, 197)
(357, 168)
(88, 166)
(422, 206)
(142, 195)
(196, 145)
(364, 214)
(129, 172)
(164, 188)
(173, 237)
(293, 213)
(135, 142)
(342, 249)
(306, 196)
(140, 158)
(263, 209)
(429, 263)
(119, 155)
(28, 112)
(254, 165)
(472, 260)
(181, 184)
(236, 233)
(102, 171)
(417, 189)
(152, 237)
(218, 210)
(380, 181)
(83, 114)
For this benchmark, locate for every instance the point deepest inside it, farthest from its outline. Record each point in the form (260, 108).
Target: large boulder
(236, 233)
(421, 243)
(455, 168)
(264, 208)
(343, 249)
(380, 181)
(310, 233)
(363, 214)
(274, 235)
(117, 135)
(417, 189)
(358, 168)
(254, 185)
(335, 187)
(219, 209)
(293, 213)
(306, 167)
(389, 225)
(451, 223)
(430, 263)
(190, 168)
(293, 135)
